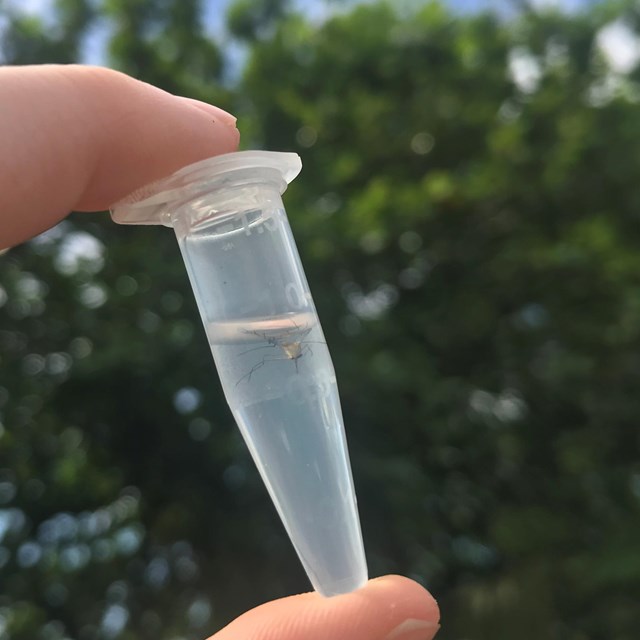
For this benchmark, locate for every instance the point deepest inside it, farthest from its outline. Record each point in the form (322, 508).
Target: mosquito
(291, 341)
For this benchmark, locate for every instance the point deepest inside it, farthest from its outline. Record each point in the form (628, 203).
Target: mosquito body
(290, 341)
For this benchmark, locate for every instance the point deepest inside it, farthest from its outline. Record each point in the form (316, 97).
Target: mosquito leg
(247, 376)
(265, 359)
(271, 345)
(305, 349)
(263, 335)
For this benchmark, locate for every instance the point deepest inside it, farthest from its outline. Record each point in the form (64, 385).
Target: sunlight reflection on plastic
(268, 346)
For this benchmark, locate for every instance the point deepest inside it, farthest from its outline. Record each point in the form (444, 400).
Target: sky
(620, 46)
(94, 50)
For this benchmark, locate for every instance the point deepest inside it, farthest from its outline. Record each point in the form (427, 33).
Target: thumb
(389, 608)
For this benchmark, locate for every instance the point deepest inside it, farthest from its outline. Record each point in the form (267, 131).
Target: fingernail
(216, 112)
(413, 629)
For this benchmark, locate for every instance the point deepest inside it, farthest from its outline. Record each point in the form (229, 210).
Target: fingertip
(412, 595)
(387, 608)
(215, 112)
(81, 138)
(163, 134)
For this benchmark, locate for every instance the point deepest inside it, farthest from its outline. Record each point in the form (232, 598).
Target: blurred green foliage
(468, 216)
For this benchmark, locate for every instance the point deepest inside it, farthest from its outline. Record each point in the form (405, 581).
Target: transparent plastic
(268, 346)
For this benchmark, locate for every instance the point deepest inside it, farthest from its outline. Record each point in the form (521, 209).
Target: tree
(467, 219)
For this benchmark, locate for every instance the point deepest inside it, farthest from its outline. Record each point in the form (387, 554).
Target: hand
(389, 608)
(80, 138)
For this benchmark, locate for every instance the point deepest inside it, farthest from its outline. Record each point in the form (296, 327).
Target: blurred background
(469, 219)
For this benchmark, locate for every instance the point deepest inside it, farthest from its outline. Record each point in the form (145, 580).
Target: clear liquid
(280, 383)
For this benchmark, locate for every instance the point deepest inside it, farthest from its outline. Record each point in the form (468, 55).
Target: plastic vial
(268, 346)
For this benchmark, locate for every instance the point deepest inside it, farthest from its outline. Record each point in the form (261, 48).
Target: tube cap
(153, 203)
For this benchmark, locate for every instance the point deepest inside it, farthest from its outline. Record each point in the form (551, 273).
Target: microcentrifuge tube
(268, 346)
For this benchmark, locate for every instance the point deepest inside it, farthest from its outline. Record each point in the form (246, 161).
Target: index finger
(80, 138)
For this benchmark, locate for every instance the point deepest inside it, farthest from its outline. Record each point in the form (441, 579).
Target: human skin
(76, 138)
